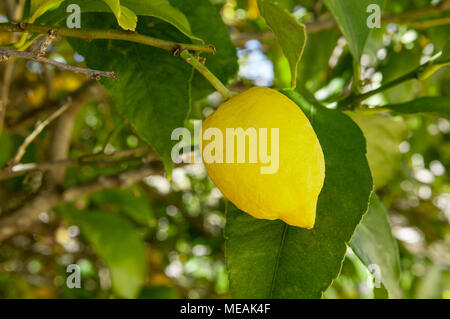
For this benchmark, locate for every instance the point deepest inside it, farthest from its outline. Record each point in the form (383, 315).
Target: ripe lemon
(287, 191)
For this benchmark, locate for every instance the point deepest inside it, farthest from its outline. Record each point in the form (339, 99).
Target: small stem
(429, 23)
(91, 34)
(354, 99)
(189, 58)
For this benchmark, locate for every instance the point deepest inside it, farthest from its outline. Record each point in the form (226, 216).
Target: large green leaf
(160, 9)
(269, 259)
(351, 16)
(290, 33)
(153, 91)
(207, 24)
(118, 244)
(376, 247)
(383, 136)
(437, 105)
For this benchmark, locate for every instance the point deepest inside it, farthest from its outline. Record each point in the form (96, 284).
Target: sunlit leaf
(118, 244)
(351, 17)
(376, 247)
(290, 33)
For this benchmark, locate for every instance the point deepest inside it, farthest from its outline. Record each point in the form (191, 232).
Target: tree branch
(5, 54)
(39, 128)
(27, 215)
(91, 34)
(322, 25)
(62, 134)
(7, 79)
(145, 153)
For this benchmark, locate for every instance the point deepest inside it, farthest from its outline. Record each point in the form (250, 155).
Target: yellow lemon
(261, 151)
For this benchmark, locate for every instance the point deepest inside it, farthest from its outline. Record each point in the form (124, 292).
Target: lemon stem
(200, 67)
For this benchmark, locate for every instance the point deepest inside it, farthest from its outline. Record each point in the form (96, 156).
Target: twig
(5, 54)
(39, 128)
(354, 99)
(26, 216)
(189, 58)
(91, 159)
(42, 50)
(91, 34)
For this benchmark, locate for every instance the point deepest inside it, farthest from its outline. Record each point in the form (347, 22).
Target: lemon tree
(224, 149)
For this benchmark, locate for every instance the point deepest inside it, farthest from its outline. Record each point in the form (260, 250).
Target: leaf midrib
(277, 262)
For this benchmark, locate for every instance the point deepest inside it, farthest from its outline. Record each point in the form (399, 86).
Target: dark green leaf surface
(269, 259)
(374, 244)
(129, 201)
(351, 17)
(207, 24)
(153, 91)
(290, 33)
(117, 243)
(436, 105)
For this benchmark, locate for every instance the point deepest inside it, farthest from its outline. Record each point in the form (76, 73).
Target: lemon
(282, 176)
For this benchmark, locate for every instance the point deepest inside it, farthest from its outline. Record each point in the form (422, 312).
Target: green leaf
(290, 33)
(126, 18)
(374, 244)
(39, 7)
(117, 243)
(269, 259)
(437, 105)
(153, 91)
(160, 9)
(129, 201)
(207, 23)
(351, 17)
(383, 136)
(312, 72)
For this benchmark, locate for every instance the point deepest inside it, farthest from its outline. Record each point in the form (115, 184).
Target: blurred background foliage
(174, 229)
